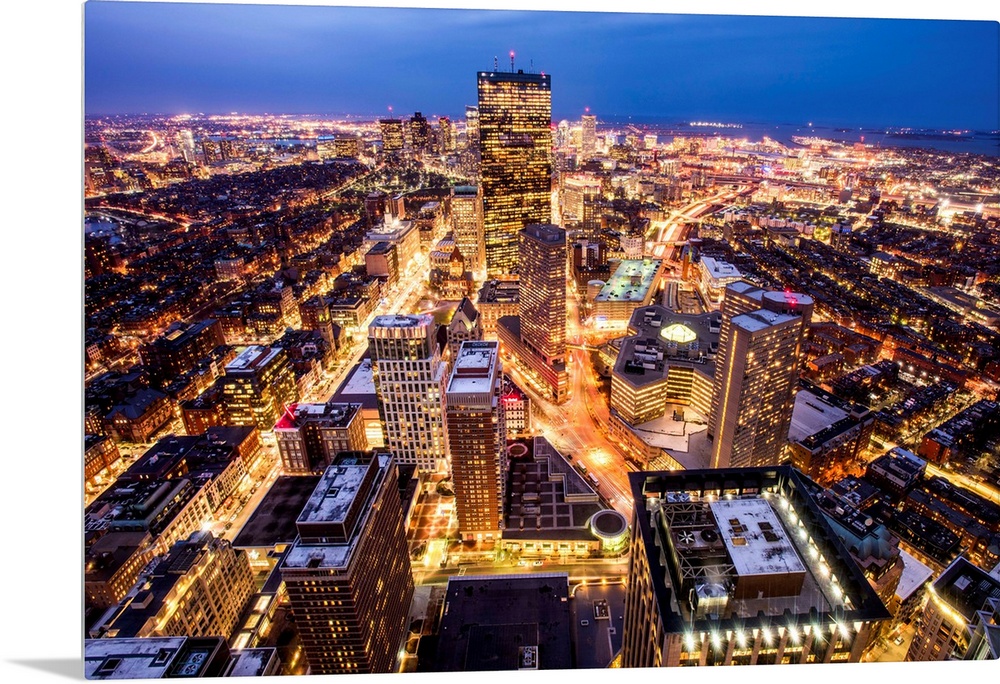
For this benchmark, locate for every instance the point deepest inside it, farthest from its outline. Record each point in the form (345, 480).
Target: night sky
(186, 58)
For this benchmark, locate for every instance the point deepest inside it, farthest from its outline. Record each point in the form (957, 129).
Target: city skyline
(210, 241)
(344, 60)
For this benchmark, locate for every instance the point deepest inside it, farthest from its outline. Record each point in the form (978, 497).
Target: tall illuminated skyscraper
(515, 115)
(467, 223)
(543, 290)
(536, 337)
(410, 381)
(348, 573)
(472, 126)
(420, 132)
(588, 136)
(477, 439)
(185, 140)
(392, 135)
(446, 135)
(756, 374)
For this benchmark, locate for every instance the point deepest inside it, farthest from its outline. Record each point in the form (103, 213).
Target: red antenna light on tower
(512, 61)
(586, 110)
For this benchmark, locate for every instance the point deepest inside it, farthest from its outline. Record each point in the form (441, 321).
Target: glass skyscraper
(515, 116)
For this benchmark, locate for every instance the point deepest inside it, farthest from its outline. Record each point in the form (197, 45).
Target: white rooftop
(475, 368)
(621, 288)
(742, 524)
(332, 498)
(718, 269)
(915, 575)
(793, 298)
(361, 380)
(329, 503)
(811, 414)
(249, 662)
(400, 321)
(254, 356)
(740, 286)
(761, 320)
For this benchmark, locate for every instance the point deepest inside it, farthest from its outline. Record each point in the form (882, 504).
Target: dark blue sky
(175, 58)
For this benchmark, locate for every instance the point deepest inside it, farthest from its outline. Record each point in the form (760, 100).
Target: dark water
(972, 142)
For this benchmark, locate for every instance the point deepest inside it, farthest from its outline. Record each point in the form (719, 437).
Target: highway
(673, 232)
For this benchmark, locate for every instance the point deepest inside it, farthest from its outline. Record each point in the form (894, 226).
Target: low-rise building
(197, 589)
(497, 298)
(309, 436)
(633, 284)
(827, 434)
(669, 359)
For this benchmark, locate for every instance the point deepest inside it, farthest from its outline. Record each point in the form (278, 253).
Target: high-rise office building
(950, 617)
(446, 135)
(760, 345)
(477, 438)
(515, 115)
(392, 135)
(257, 385)
(588, 136)
(536, 337)
(410, 382)
(348, 573)
(543, 290)
(738, 567)
(467, 224)
(472, 126)
(185, 141)
(420, 132)
(581, 194)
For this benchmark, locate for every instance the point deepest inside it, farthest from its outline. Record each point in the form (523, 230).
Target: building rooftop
(475, 368)
(336, 511)
(359, 387)
(966, 588)
(762, 319)
(489, 620)
(548, 498)
(329, 415)
(631, 281)
(273, 521)
(250, 662)
(499, 292)
(252, 358)
(401, 321)
(746, 535)
(546, 232)
(813, 413)
(392, 230)
(149, 658)
(915, 575)
(718, 269)
(791, 567)
(338, 489)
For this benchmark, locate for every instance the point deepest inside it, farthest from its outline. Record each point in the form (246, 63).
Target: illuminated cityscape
(482, 389)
